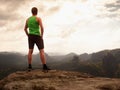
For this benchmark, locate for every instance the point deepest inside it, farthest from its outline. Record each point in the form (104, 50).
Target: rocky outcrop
(57, 80)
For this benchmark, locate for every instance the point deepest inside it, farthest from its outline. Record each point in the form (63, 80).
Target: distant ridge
(90, 63)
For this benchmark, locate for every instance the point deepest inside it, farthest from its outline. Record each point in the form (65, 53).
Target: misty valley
(105, 63)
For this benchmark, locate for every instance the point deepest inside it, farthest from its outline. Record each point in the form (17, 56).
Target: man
(35, 36)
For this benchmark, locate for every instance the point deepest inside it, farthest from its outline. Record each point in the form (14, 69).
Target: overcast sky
(70, 25)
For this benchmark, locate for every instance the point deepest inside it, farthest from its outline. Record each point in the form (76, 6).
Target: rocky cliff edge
(57, 80)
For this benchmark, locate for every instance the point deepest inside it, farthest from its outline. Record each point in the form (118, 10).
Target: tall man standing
(35, 36)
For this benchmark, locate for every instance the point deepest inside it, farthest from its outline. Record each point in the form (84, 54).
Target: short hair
(34, 11)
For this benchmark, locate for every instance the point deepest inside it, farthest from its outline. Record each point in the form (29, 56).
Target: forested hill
(104, 63)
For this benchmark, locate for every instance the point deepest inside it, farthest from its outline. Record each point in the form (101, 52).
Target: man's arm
(41, 25)
(25, 28)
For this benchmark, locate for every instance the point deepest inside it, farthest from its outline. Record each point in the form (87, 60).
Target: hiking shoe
(45, 68)
(29, 68)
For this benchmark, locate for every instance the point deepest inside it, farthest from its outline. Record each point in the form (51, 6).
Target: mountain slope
(88, 63)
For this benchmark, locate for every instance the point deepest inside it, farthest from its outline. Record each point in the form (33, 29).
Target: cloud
(13, 4)
(118, 1)
(8, 9)
(84, 0)
(11, 19)
(112, 7)
(48, 11)
(110, 10)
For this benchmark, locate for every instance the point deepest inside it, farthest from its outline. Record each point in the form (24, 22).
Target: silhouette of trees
(110, 65)
(75, 59)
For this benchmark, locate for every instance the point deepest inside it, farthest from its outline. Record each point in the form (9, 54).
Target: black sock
(44, 66)
(30, 66)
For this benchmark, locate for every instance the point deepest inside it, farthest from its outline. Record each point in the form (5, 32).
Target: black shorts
(35, 39)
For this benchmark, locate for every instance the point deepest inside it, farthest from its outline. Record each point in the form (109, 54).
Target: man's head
(34, 11)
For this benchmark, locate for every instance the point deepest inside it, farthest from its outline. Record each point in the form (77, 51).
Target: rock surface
(57, 80)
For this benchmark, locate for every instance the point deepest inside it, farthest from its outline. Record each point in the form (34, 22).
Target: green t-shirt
(33, 26)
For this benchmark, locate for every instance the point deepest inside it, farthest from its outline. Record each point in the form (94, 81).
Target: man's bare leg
(43, 60)
(42, 56)
(30, 58)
